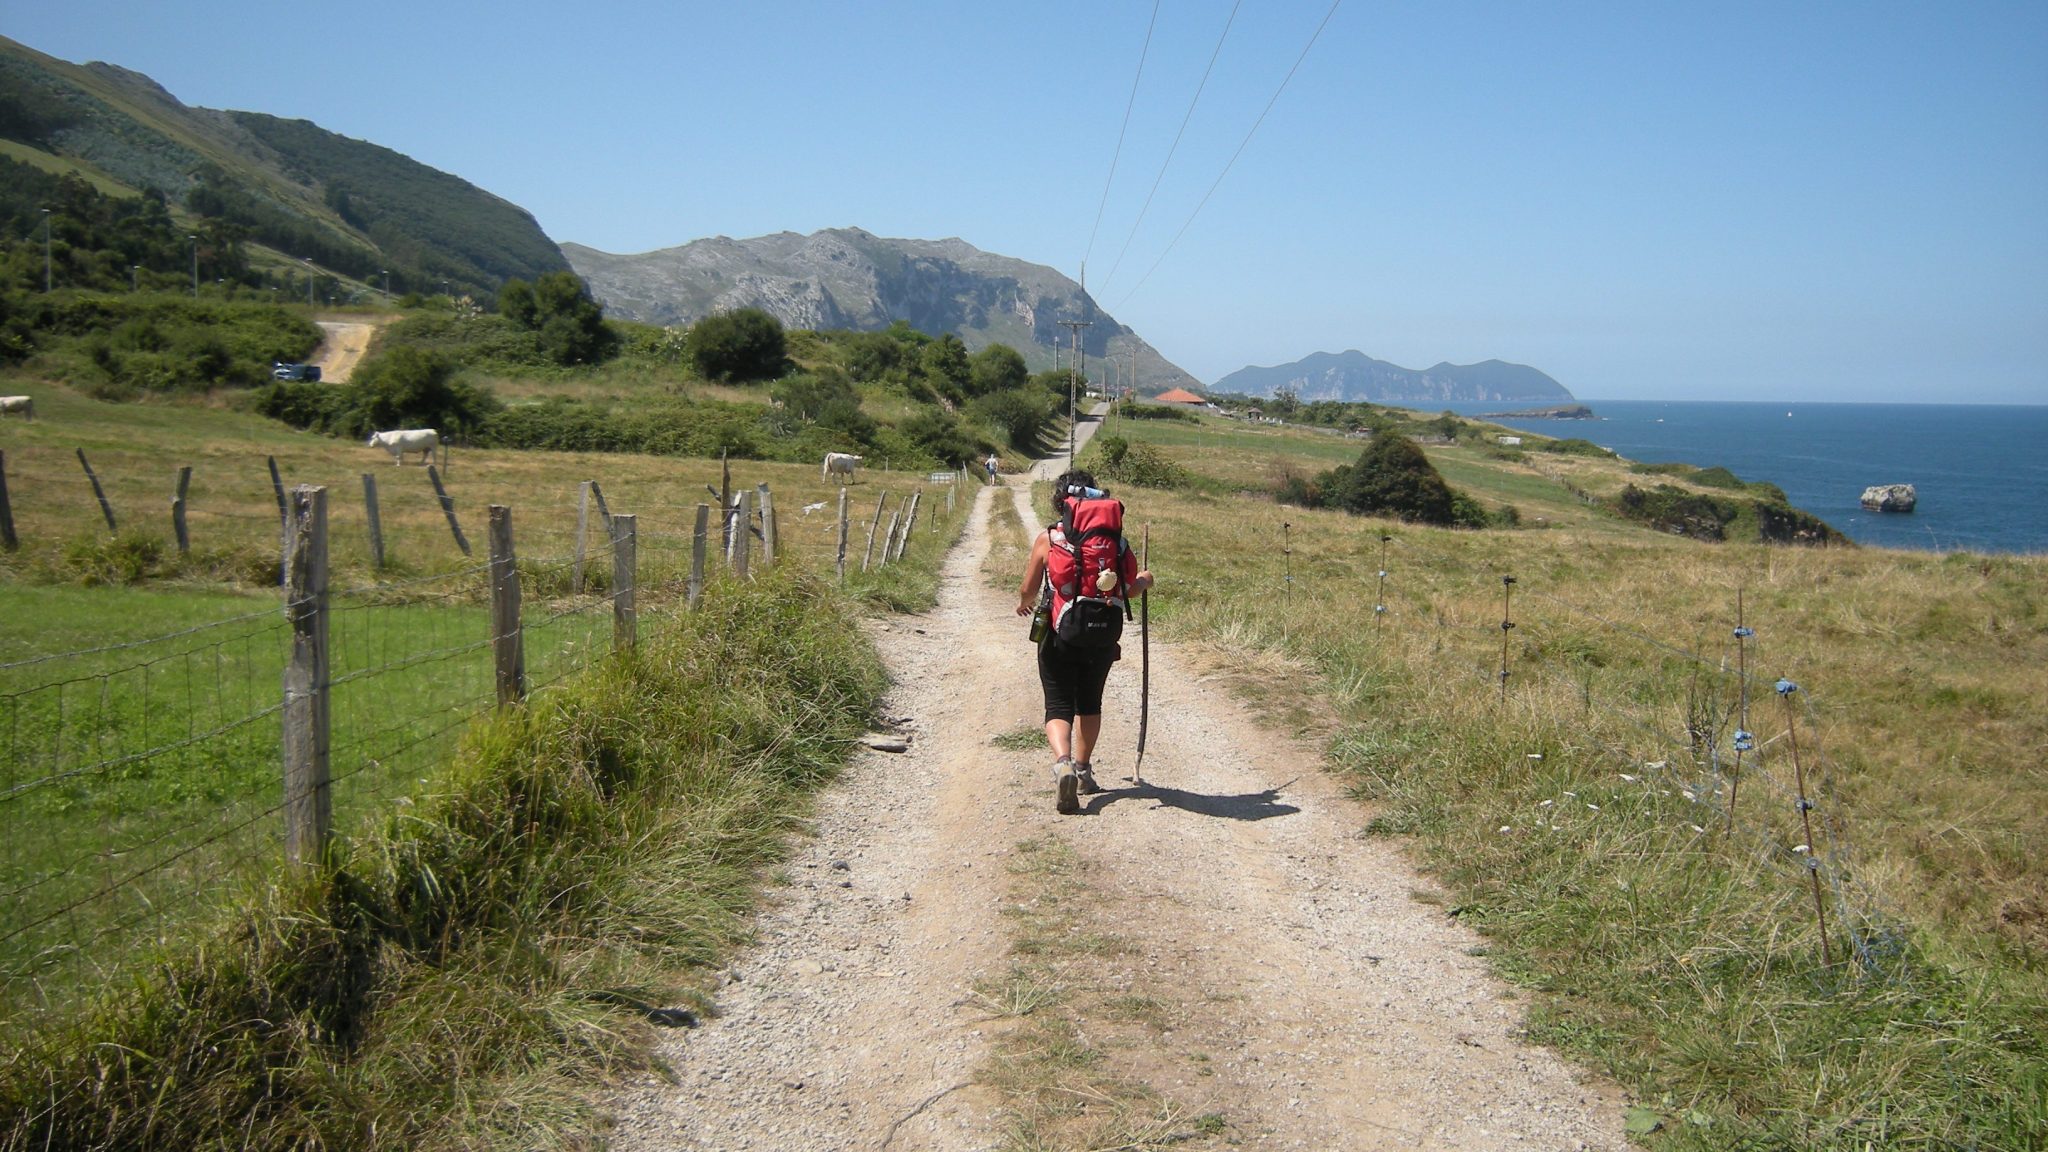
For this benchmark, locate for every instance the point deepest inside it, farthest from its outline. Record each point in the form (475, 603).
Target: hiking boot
(1068, 800)
(1085, 772)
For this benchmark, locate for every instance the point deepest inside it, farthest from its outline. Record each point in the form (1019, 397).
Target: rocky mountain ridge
(852, 278)
(1353, 376)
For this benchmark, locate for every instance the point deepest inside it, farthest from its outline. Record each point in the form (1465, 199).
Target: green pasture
(142, 783)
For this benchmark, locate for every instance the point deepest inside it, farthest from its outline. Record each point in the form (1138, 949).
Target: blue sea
(1981, 470)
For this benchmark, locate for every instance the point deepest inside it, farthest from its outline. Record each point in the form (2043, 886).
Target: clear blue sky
(1831, 201)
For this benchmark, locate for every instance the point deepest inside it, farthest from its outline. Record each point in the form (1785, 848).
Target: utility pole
(1073, 384)
(46, 252)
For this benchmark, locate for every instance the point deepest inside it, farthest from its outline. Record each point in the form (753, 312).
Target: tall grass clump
(457, 976)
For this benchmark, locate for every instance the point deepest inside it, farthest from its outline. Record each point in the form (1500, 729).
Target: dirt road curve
(1306, 997)
(344, 344)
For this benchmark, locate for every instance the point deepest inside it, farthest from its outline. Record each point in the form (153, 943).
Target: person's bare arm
(1034, 575)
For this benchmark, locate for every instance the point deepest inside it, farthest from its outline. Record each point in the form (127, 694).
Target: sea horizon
(1979, 469)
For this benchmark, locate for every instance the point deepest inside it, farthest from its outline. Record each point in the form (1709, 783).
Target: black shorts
(1072, 679)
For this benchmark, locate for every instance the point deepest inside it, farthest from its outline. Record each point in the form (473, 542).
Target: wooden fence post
(625, 563)
(284, 516)
(376, 521)
(178, 532)
(889, 541)
(582, 536)
(842, 535)
(308, 800)
(106, 509)
(604, 512)
(909, 522)
(869, 555)
(506, 643)
(697, 543)
(8, 539)
(743, 534)
(448, 509)
(767, 501)
(725, 504)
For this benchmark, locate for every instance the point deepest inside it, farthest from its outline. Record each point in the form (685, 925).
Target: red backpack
(1088, 611)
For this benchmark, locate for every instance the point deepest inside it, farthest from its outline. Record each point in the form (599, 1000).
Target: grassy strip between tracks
(461, 975)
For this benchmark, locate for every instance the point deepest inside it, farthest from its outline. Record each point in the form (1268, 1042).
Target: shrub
(1139, 464)
(942, 437)
(1575, 447)
(739, 346)
(1019, 416)
(1391, 478)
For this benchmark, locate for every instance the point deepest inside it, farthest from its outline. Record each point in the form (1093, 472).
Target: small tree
(996, 368)
(742, 345)
(558, 307)
(1391, 478)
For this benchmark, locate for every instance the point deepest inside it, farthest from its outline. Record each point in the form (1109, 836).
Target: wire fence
(145, 782)
(1683, 727)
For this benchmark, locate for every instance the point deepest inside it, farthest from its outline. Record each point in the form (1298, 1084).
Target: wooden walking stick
(1144, 655)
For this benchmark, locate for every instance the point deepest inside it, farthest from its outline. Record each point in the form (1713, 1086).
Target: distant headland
(1554, 412)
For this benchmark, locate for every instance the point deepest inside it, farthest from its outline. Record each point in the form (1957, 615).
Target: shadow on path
(1244, 806)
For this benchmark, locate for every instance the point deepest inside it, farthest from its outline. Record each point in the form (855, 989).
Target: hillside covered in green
(246, 197)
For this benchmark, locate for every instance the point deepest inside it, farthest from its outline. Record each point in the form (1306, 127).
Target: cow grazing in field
(22, 404)
(398, 443)
(841, 462)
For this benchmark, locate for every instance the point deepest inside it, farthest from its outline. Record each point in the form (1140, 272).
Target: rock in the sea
(1890, 497)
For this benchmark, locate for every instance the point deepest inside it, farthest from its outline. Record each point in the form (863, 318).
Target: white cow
(22, 404)
(398, 443)
(841, 462)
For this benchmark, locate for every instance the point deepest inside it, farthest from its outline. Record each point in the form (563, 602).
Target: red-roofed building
(1179, 396)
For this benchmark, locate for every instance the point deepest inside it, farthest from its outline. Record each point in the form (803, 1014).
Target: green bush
(1139, 464)
(569, 326)
(739, 346)
(1136, 411)
(1391, 478)
(1575, 446)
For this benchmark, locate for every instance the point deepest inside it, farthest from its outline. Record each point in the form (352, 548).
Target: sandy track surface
(1303, 993)
(341, 349)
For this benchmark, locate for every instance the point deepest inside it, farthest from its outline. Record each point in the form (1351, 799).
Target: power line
(1176, 141)
(1120, 132)
(1233, 156)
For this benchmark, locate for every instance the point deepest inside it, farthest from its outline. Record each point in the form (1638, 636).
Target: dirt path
(343, 346)
(1294, 988)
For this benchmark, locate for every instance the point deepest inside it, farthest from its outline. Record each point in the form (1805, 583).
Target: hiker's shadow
(1245, 806)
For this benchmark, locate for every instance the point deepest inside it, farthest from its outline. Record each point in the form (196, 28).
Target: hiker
(992, 462)
(1080, 575)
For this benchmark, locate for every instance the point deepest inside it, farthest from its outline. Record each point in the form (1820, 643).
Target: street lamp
(386, 274)
(135, 277)
(46, 250)
(195, 266)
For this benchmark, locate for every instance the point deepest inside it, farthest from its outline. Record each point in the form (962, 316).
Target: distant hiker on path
(1077, 586)
(992, 462)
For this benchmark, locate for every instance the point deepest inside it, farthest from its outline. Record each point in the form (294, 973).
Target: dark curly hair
(1072, 478)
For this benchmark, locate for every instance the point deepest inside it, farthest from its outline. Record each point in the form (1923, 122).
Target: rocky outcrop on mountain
(852, 278)
(1891, 498)
(1354, 376)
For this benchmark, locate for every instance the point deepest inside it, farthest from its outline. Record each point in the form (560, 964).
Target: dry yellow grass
(136, 449)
